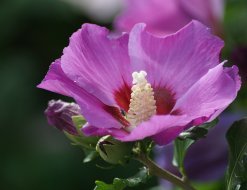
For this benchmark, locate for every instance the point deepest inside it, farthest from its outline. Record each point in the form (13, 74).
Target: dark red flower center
(163, 96)
(165, 100)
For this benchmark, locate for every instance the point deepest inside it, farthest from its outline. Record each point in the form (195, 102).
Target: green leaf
(120, 184)
(89, 155)
(87, 144)
(214, 185)
(100, 185)
(185, 140)
(83, 141)
(180, 149)
(146, 146)
(198, 132)
(237, 169)
(210, 124)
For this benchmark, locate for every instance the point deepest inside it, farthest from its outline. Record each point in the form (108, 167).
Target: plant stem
(154, 169)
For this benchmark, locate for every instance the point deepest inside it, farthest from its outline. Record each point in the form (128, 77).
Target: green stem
(154, 169)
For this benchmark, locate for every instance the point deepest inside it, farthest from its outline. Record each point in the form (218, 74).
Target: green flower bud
(114, 151)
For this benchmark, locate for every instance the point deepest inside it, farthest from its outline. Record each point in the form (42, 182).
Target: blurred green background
(33, 154)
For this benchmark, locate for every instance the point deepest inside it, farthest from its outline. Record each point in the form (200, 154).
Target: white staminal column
(142, 103)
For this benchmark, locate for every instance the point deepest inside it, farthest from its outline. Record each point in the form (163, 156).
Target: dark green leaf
(89, 156)
(100, 185)
(214, 185)
(198, 132)
(146, 146)
(237, 169)
(140, 177)
(210, 124)
(82, 140)
(120, 184)
(186, 139)
(180, 149)
(87, 144)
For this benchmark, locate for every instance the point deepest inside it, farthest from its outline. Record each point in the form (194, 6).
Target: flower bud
(113, 151)
(59, 114)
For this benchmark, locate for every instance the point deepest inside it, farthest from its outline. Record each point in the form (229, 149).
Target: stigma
(142, 103)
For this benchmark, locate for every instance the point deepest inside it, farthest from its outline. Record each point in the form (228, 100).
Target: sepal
(114, 151)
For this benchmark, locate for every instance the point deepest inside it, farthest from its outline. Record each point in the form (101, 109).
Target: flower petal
(55, 80)
(91, 107)
(96, 62)
(90, 130)
(210, 95)
(168, 135)
(176, 61)
(157, 124)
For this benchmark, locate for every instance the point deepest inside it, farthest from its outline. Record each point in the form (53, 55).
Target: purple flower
(140, 85)
(168, 16)
(206, 160)
(59, 114)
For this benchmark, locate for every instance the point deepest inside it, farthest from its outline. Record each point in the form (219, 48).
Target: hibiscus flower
(140, 85)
